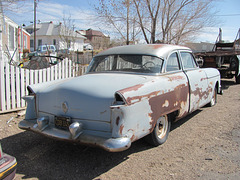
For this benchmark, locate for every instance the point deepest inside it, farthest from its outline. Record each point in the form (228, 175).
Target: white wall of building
(60, 44)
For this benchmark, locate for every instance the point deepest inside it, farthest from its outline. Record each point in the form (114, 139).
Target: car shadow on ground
(44, 158)
(226, 83)
(180, 122)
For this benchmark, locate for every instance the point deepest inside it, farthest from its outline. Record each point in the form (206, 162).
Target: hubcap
(162, 126)
(214, 98)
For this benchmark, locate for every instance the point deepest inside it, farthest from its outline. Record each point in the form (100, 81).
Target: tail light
(119, 100)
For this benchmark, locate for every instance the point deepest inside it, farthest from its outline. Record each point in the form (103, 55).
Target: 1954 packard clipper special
(128, 92)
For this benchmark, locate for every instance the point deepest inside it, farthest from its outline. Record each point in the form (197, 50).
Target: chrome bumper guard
(75, 134)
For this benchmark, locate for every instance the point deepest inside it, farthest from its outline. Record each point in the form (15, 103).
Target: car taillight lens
(119, 100)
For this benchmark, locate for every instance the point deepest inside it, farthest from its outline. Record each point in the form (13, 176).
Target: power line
(228, 15)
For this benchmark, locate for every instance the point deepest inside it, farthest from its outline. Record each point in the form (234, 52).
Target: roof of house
(50, 29)
(91, 32)
(11, 22)
(200, 47)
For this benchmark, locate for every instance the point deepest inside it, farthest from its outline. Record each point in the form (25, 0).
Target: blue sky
(83, 14)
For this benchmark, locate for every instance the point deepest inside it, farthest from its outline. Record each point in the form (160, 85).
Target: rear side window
(172, 63)
(188, 60)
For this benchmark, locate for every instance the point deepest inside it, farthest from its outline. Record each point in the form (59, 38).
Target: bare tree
(148, 10)
(182, 18)
(67, 31)
(10, 5)
(119, 15)
(169, 21)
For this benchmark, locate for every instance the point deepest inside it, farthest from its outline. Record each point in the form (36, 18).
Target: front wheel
(160, 133)
(237, 79)
(213, 101)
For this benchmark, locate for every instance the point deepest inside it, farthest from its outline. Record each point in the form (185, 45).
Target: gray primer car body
(121, 97)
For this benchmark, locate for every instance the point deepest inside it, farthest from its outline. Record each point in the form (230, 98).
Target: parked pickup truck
(128, 93)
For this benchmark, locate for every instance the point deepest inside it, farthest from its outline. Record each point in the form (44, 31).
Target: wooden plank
(18, 91)
(2, 86)
(48, 74)
(12, 110)
(13, 89)
(59, 71)
(36, 81)
(56, 71)
(66, 69)
(7, 90)
(63, 69)
(44, 74)
(27, 80)
(31, 76)
(40, 73)
(52, 72)
(69, 69)
(22, 84)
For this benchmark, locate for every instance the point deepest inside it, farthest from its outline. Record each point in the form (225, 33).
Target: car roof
(159, 50)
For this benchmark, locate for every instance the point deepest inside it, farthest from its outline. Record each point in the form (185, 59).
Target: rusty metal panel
(199, 88)
(162, 95)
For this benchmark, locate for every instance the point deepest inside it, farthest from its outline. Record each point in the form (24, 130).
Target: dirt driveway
(204, 145)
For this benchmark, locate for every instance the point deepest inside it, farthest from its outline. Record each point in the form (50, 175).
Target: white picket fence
(14, 81)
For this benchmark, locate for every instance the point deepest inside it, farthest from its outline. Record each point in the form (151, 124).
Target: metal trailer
(224, 56)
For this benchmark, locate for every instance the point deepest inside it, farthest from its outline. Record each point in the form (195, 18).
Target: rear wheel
(160, 133)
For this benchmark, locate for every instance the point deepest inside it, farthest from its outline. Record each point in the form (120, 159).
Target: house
(56, 34)
(13, 39)
(96, 38)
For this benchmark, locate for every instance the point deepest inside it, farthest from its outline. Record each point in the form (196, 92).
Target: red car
(8, 166)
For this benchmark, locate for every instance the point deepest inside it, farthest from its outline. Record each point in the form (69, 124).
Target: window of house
(39, 42)
(31, 43)
(68, 44)
(11, 38)
(188, 60)
(172, 63)
(25, 41)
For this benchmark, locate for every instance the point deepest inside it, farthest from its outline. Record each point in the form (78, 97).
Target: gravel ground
(204, 145)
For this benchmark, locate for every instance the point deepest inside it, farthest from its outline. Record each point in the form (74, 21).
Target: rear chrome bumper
(75, 134)
(8, 165)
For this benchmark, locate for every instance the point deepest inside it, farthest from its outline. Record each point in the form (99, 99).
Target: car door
(198, 82)
(179, 79)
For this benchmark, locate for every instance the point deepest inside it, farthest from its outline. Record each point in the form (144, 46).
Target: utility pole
(34, 29)
(128, 4)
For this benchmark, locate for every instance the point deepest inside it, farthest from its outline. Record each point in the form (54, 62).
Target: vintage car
(8, 165)
(128, 93)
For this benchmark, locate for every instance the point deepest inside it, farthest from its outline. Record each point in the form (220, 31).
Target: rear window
(126, 63)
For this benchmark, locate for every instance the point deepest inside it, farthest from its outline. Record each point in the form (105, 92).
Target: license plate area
(62, 122)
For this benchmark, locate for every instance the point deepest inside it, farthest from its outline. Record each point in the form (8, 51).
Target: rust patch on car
(200, 93)
(156, 46)
(133, 88)
(203, 79)
(117, 120)
(135, 99)
(174, 98)
(174, 78)
(121, 129)
(132, 138)
(103, 112)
